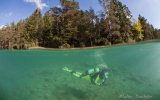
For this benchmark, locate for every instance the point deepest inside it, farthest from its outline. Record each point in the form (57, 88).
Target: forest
(68, 26)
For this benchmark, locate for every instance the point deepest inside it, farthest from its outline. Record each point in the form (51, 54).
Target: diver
(98, 75)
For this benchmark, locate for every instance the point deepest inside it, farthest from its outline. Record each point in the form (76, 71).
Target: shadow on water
(137, 79)
(66, 92)
(3, 95)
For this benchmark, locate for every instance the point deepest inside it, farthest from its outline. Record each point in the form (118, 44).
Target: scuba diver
(97, 75)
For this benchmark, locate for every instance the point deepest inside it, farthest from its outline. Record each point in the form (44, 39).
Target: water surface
(37, 74)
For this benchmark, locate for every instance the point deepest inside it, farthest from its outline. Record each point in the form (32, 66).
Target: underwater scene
(134, 73)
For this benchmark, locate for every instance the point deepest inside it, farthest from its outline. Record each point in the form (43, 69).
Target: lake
(134, 73)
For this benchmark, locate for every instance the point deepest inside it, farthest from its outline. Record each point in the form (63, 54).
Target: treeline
(69, 26)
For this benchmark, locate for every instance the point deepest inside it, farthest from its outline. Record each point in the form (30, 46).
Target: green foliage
(148, 29)
(69, 26)
(33, 27)
(118, 22)
(157, 33)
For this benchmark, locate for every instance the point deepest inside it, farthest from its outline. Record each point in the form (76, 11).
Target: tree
(70, 9)
(138, 29)
(34, 27)
(113, 22)
(125, 22)
(148, 29)
(52, 26)
(69, 26)
(157, 33)
(118, 26)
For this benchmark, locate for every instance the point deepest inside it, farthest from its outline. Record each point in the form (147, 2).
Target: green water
(37, 74)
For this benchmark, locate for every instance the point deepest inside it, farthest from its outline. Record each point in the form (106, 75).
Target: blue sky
(14, 10)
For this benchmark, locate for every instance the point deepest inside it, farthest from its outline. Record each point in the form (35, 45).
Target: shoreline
(93, 47)
(79, 48)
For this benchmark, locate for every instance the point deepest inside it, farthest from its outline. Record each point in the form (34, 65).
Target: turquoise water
(37, 74)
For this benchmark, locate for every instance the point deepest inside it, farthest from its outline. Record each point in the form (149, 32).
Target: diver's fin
(87, 77)
(67, 69)
(77, 74)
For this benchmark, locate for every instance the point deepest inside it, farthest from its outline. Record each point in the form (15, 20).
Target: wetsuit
(95, 73)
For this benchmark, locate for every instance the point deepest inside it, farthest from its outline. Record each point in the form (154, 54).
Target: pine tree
(68, 26)
(148, 29)
(157, 34)
(118, 26)
(34, 27)
(125, 22)
(52, 28)
(69, 19)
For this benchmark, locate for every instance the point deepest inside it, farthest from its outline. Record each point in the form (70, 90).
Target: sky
(15, 10)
